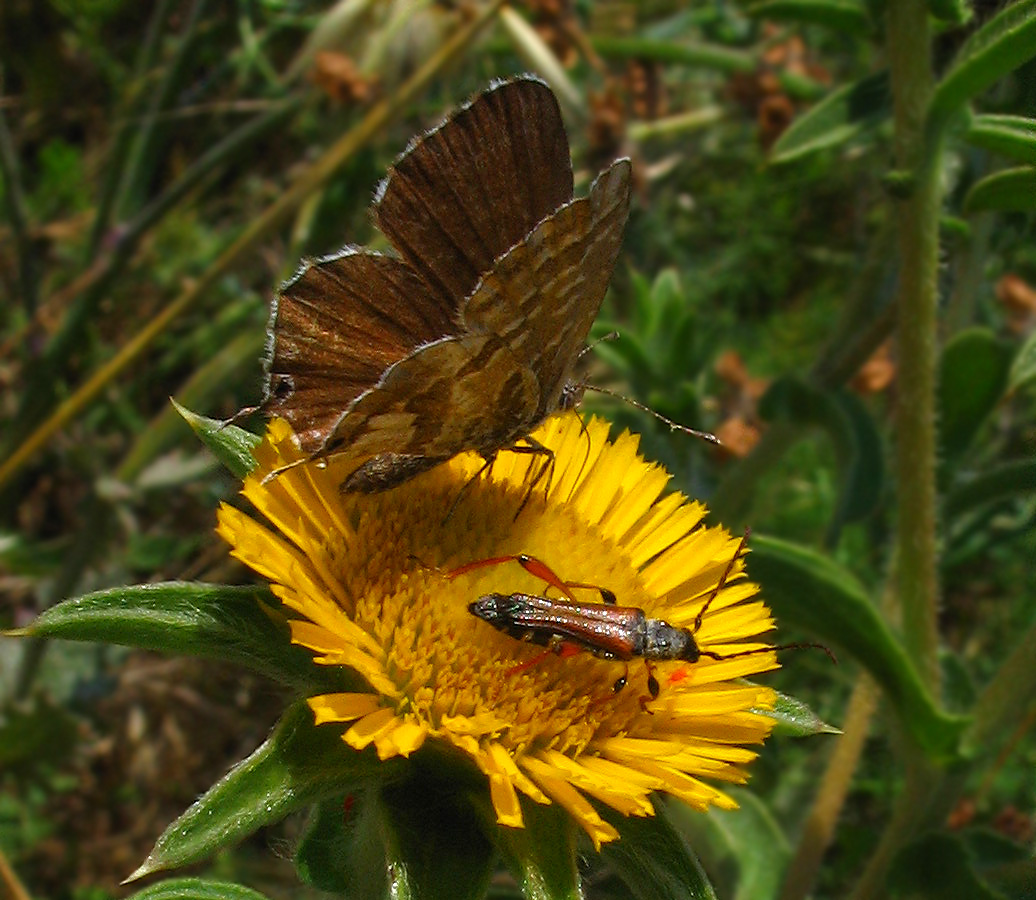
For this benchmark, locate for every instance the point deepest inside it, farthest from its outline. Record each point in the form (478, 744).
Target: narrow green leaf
(653, 859)
(972, 378)
(196, 889)
(938, 866)
(953, 12)
(842, 15)
(812, 592)
(749, 836)
(835, 119)
(35, 733)
(542, 855)
(1000, 46)
(1004, 191)
(299, 764)
(1023, 367)
(231, 445)
(1015, 479)
(1012, 136)
(435, 845)
(212, 621)
(795, 719)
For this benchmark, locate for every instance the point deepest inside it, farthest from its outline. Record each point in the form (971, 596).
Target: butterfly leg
(533, 447)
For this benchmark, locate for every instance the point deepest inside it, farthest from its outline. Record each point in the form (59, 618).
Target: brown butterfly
(467, 339)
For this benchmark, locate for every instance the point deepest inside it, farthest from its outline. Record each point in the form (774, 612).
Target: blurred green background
(166, 165)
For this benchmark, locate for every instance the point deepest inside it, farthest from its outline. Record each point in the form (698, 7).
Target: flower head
(373, 583)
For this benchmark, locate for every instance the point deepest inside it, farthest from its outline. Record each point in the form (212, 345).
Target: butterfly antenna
(673, 426)
(610, 336)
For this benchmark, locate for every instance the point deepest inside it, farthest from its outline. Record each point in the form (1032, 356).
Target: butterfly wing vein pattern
(466, 340)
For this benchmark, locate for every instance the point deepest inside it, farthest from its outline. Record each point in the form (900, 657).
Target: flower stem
(918, 217)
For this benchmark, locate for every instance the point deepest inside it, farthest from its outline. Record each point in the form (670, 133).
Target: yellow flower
(368, 577)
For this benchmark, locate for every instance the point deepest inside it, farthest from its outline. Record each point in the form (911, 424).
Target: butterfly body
(466, 340)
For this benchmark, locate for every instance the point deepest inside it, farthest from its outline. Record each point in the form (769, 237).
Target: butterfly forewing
(468, 191)
(337, 326)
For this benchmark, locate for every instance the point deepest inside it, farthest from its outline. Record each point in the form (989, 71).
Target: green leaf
(1012, 136)
(843, 15)
(342, 851)
(938, 866)
(953, 12)
(196, 889)
(1005, 191)
(435, 845)
(835, 119)
(212, 621)
(542, 855)
(1000, 46)
(973, 373)
(1023, 367)
(748, 835)
(814, 593)
(299, 764)
(653, 859)
(853, 434)
(231, 445)
(795, 719)
(35, 733)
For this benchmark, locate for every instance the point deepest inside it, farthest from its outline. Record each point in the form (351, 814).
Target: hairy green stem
(915, 451)
(915, 579)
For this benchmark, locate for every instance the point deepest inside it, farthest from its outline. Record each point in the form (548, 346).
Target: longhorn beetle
(607, 630)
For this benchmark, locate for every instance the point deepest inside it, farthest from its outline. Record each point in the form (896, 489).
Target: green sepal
(1010, 190)
(847, 16)
(653, 859)
(230, 444)
(542, 855)
(1000, 46)
(795, 719)
(814, 593)
(1011, 136)
(242, 625)
(973, 373)
(342, 850)
(196, 889)
(835, 119)
(749, 836)
(299, 764)
(435, 845)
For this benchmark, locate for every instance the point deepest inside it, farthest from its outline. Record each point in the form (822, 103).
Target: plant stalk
(915, 450)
